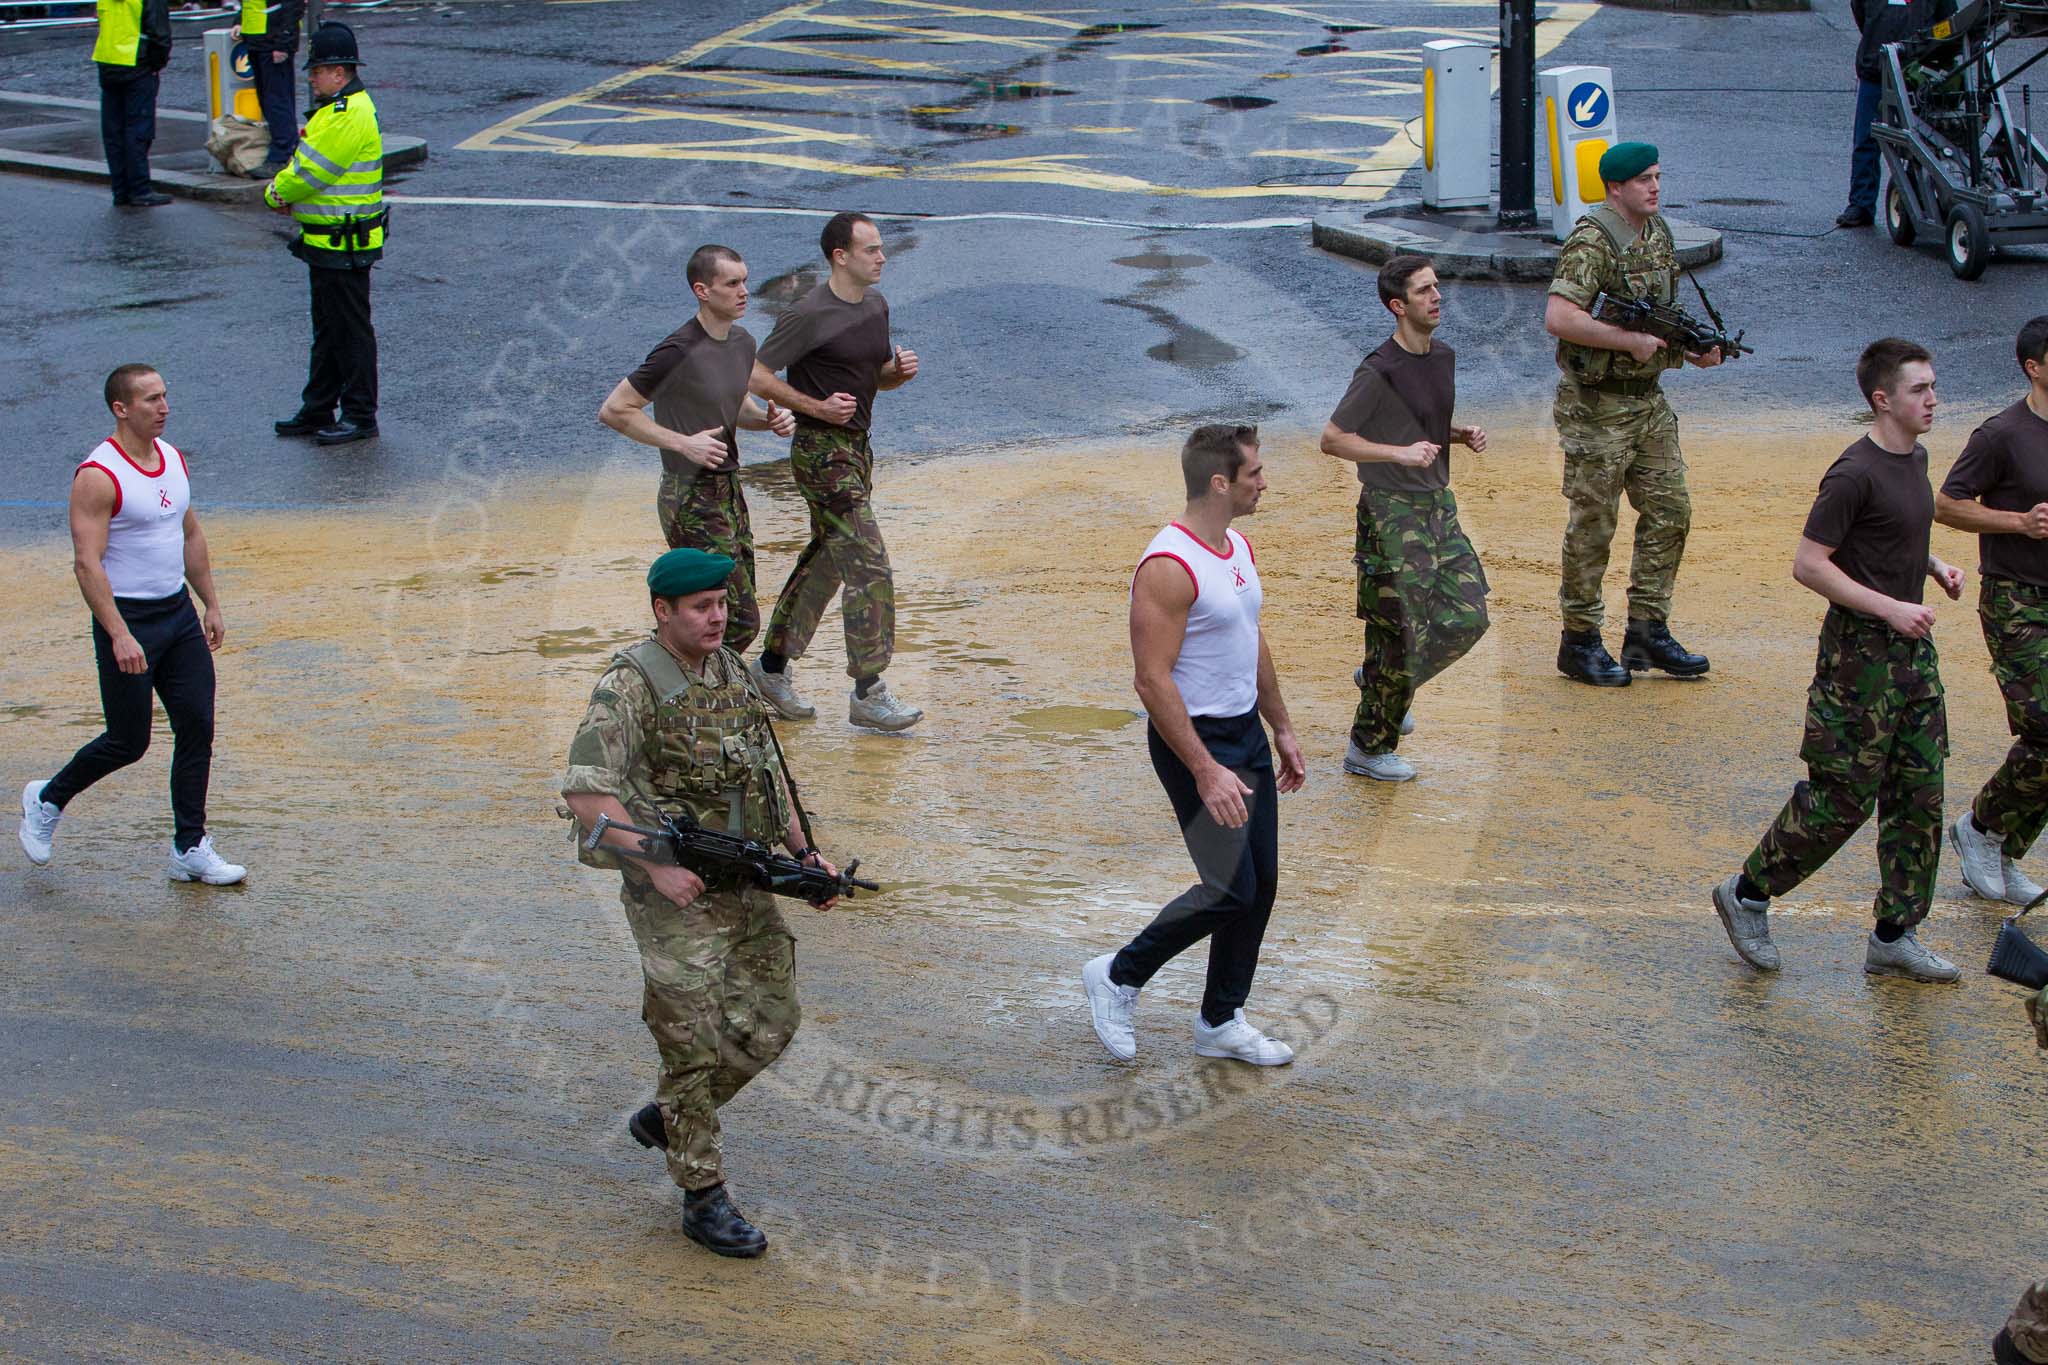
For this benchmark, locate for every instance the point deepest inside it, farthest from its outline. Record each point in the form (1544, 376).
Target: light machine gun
(728, 859)
(1672, 324)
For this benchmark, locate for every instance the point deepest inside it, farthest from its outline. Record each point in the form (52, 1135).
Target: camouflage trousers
(1876, 734)
(1615, 445)
(719, 996)
(835, 470)
(2028, 1325)
(708, 511)
(2015, 801)
(1422, 596)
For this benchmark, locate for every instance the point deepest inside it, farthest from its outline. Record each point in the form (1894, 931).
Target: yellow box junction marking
(859, 72)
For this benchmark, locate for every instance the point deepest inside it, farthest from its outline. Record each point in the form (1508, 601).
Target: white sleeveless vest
(146, 538)
(1218, 668)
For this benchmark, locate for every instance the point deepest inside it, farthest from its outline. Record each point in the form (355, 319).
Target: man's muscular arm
(835, 411)
(1161, 596)
(92, 510)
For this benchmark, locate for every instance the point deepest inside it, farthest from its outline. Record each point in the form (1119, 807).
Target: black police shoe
(301, 424)
(710, 1220)
(148, 199)
(1583, 658)
(1648, 645)
(647, 1127)
(344, 431)
(1854, 216)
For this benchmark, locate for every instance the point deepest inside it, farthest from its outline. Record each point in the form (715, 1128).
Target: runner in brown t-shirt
(1876, 724)
(1421, 590)
(697, 380)
(1998, 488)
(835, 343)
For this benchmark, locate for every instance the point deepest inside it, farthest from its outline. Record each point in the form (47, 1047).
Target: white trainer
(1407, 717)
(200, 863)
(880, 709)
(1110, 1007)
(1388, 767)
(779, 691)
(1981, 857)
(1239, 1041)
(2020, 889)
(38, 823)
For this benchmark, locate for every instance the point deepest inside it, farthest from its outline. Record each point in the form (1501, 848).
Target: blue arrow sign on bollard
(1588, 104)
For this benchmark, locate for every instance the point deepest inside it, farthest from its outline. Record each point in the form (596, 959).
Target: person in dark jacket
(270, 32)
(133, 46)
(1880, 22)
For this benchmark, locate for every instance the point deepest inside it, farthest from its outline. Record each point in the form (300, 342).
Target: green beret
(681, 572)
(1626, 161)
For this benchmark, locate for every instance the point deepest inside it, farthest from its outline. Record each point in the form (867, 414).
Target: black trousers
(343, 367)
(277, 94)
(180, 670)
(1239, 868)
(127, 127)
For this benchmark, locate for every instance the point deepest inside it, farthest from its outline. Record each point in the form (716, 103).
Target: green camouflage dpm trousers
(719, 996)
(1876, 734)
(834, 470)
(2015, 801)
(1615, 445)
(1422, 596)
(708, 511)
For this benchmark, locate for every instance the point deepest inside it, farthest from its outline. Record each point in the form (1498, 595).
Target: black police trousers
(1240, 868)
(180, 671)
(343, 367)
(127, 128)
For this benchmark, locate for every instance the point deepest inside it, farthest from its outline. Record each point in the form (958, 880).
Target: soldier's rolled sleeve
(612, 732)
(1581, 267)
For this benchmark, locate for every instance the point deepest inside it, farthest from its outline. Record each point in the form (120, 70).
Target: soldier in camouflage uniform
(835, 343)
(1619, 434)
(1876, 724)
(697, 381)
(1421, 590)
(1998, 487)
(2024, 1339)
(674, 725)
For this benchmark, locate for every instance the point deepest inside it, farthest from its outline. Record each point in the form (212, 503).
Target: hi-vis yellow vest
(255, 19)
(337, 174)
(120, 32)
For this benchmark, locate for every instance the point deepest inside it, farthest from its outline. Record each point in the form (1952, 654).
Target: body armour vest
(708, 747)
(1635, 266)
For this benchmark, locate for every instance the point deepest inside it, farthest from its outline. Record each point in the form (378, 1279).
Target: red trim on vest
(186, 470)
(1231, 553)
(95, 464)
(1248, 548)
(138, 468)
(1168, 554)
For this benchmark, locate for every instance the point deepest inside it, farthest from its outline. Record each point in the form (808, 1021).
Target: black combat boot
(647, 1128)
(1582, 657)
(2004, 1351)
(710, 1220)
(1648, 645)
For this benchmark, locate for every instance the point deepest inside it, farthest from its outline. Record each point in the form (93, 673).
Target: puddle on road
(1153, 260)
(1072, 722)
(1238, 102)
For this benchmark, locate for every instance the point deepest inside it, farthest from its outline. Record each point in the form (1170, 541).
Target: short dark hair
(1396, 273)
(2033, 341)
(1879, 365)
(838, 232)
(705, 260)
(121, 383)
(1215, 449)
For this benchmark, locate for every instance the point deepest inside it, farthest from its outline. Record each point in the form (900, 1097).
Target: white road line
(482, 202)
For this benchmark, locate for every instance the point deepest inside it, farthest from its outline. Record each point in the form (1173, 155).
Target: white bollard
(1457, 124)
(1575, 121)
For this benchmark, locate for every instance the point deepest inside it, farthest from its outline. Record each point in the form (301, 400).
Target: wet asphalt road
(502, 327)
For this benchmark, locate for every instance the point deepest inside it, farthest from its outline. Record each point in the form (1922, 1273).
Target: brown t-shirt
(698, 383)
(831, 346)
(2005, 466)
(1397, 398)
(1876, 512)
